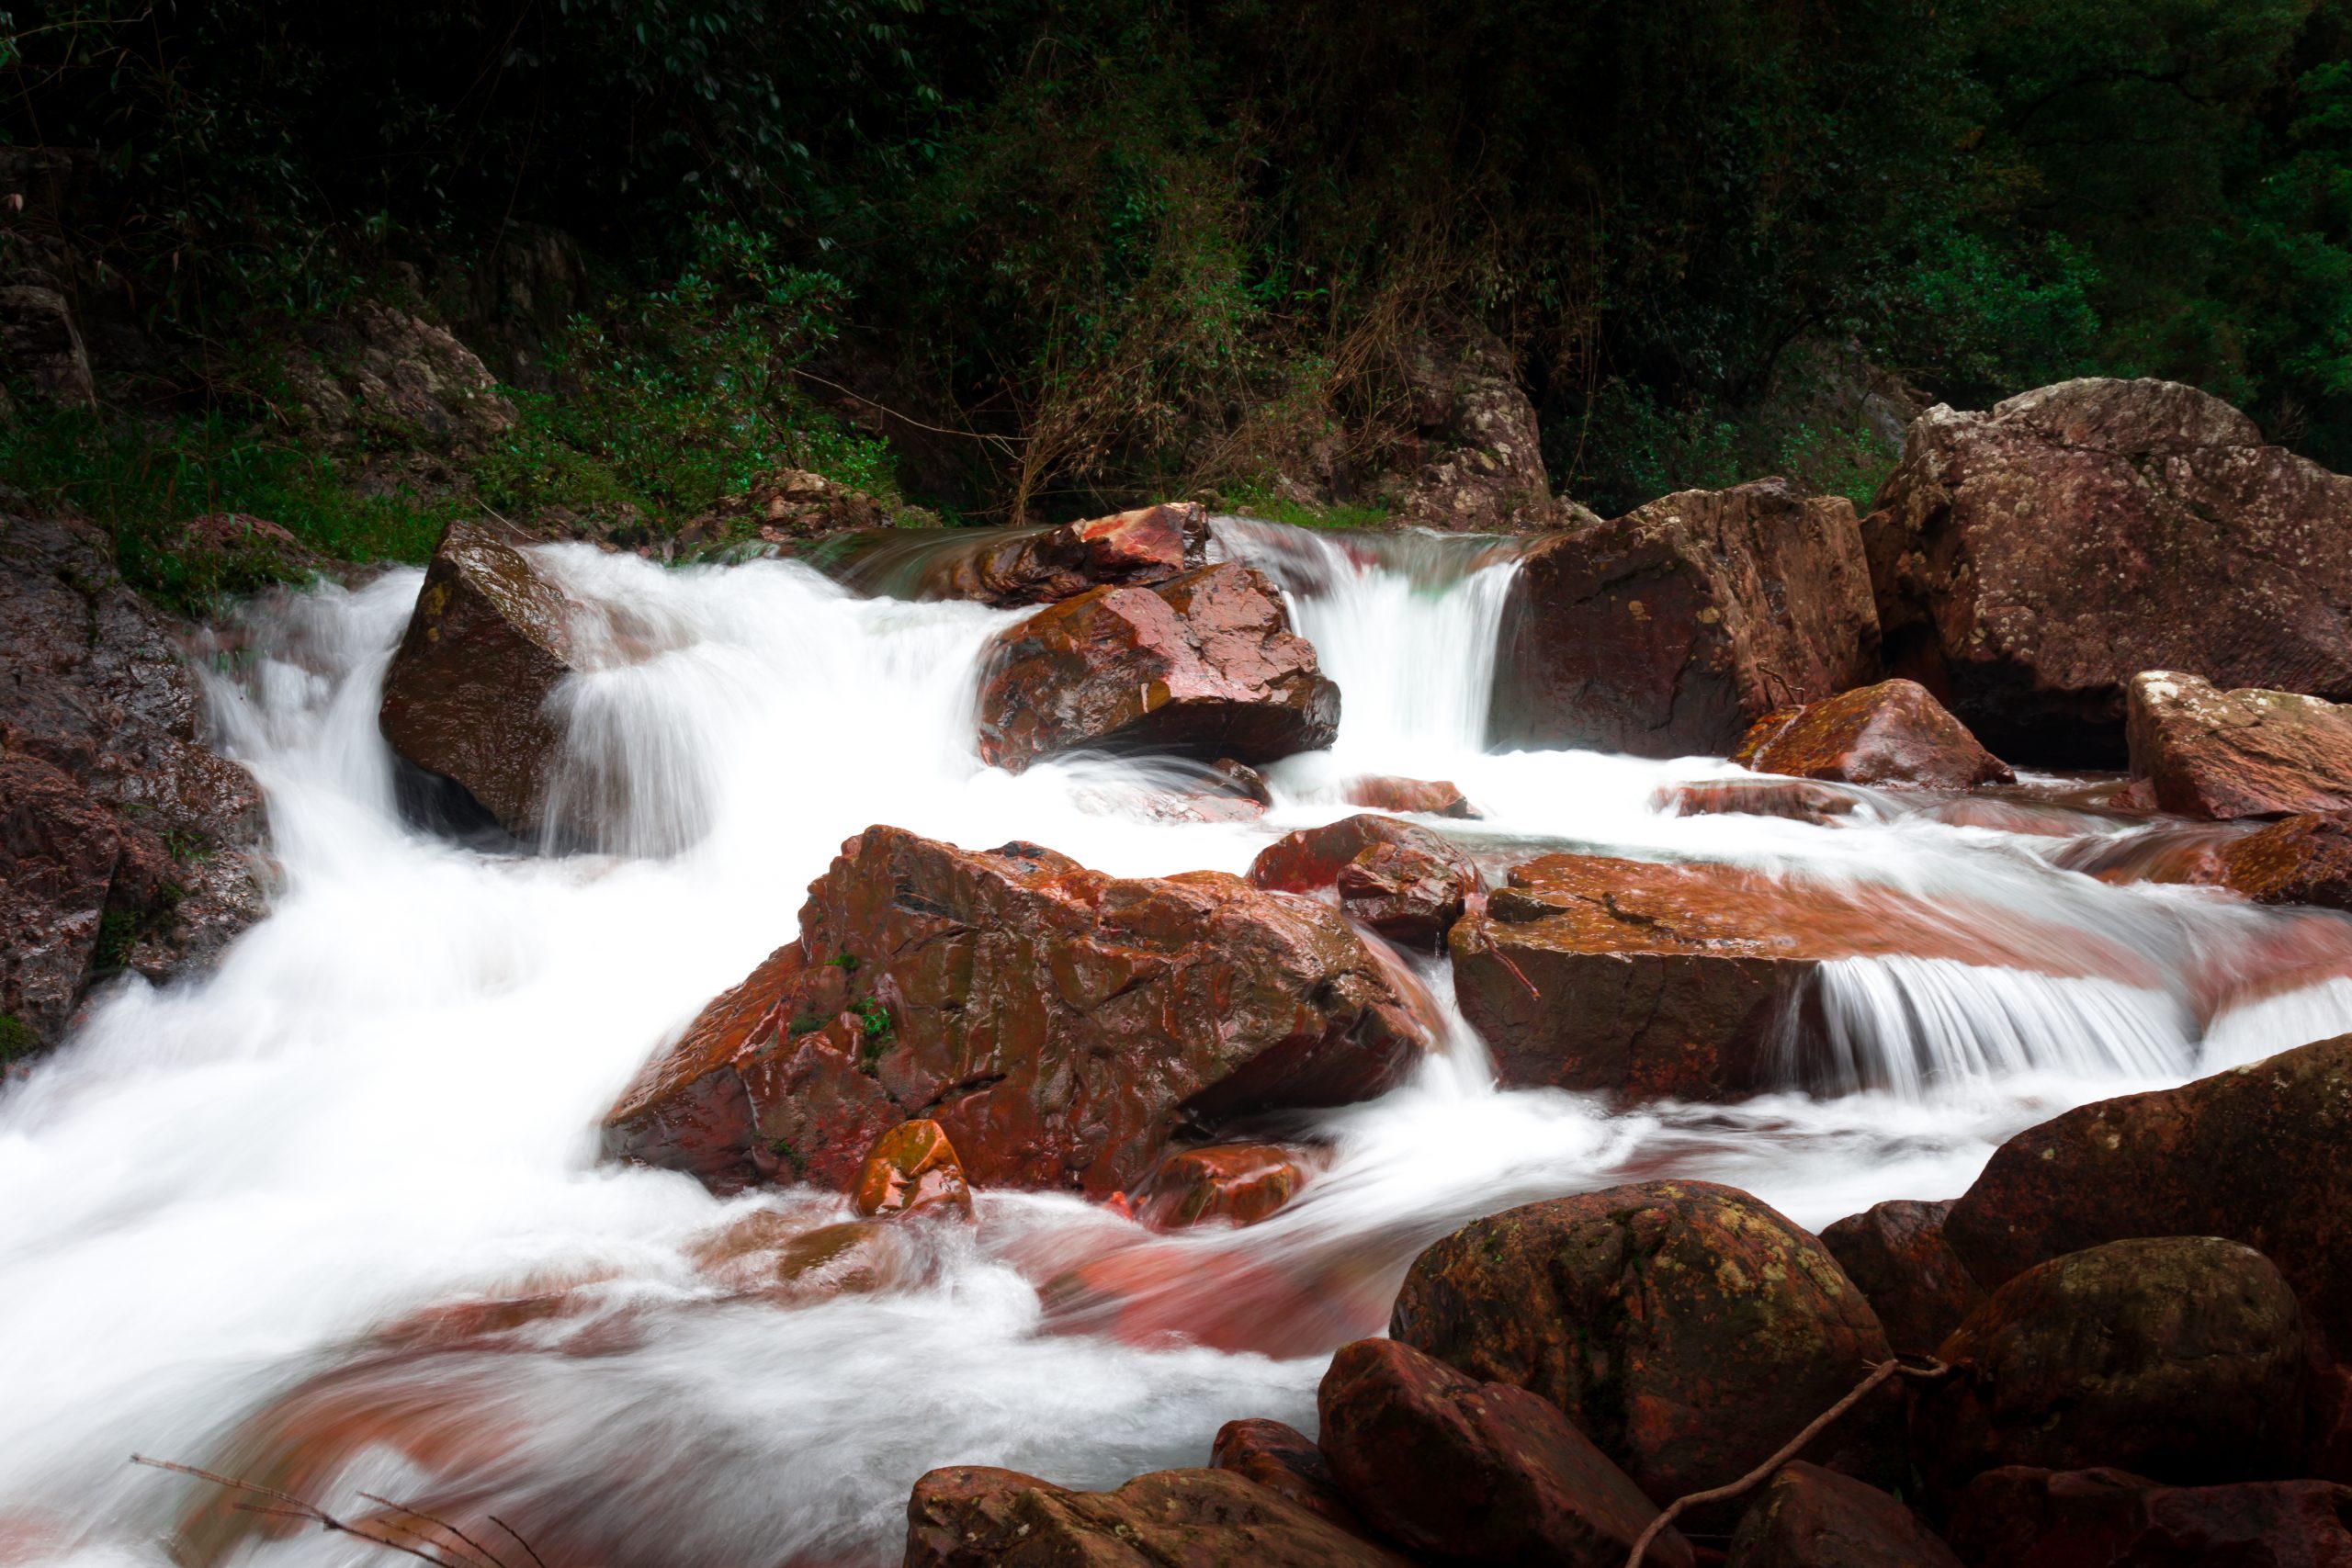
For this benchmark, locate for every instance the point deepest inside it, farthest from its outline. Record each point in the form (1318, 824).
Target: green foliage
(18, 1039)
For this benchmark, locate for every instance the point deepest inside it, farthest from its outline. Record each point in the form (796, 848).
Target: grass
(1264, 503)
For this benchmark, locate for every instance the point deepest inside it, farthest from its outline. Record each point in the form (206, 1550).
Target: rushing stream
(235, 1215)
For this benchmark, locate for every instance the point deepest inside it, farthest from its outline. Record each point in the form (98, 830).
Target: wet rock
(970, 1518)
(1409, 896)
(1454, 1468)
(912, 1169)
(1896, 1253)
(1285, 1460)
(2020, 1517)
(1244, 780)
(2260, 1155)
(42, 346)
(129, 844)
(1204, 662)
(1058, 1024)
(1163, 1293)
(2245, 753)
(1310, 860)
(2029, 561)
(1810, 1517)
(1798, 801)
(1430, 797)
(1476, 461)
(466, 698)
(1670, 630)
(1237, 1183)
(2302, 860)
(1027, 565)
(1687, 1329)
(376, 374)
(1893, 734)
(2182, 1358)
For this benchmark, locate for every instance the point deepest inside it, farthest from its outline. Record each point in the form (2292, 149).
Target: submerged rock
(1894, 735)
(1797, 800)
(1896, 1253)
(2023, 1518)
(1810, 1517)
(1206, 662)
(2245, 753)
(1430, 797)
(1237, 1183)
(912, 1169)
(2029, 561)
(1670, 630)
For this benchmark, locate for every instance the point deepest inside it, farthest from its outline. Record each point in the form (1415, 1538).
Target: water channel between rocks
(223, 1208)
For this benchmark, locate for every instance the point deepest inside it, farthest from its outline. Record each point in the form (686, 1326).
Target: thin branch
(479, 1549)
(286, 1506)
(518, 1541)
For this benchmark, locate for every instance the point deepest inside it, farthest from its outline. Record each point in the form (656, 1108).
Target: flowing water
(333, 1216)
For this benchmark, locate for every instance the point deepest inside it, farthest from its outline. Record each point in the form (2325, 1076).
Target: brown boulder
(1205, 663)
(2260, 1153)
(1810, 1517)
(1030, 566)
(1893, 734)
(2029, 561)
(2245, 753)
(60, 851)
(2020, 1517)
(1687, 1328)
(1446, 1465)
(1284, 1459)
(1058, 1024)
(2302, 860)
(1238, 1183)
(371, 372)
(1409, 896)
(1310, 859)
(1896, 1253)
(1474, 463)
(912, 1169)
(1429, 797)
(1798, 800)
(2182, 1358)
(1670, 630)
(41, 345)
(970, 1517)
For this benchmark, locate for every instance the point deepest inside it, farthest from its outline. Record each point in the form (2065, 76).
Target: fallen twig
(286, 1506)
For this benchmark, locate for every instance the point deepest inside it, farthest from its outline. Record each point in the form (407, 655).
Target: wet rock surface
(2300, 859)
(1894, 735)
(2211, 753)
(1432, 797)
(1029, 566)
(2022, 1517)
(1286, 1460)
(1896, 1253)
(1810, 1517)
(1236, 1184)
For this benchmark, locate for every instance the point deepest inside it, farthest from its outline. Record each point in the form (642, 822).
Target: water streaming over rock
(334, 1215)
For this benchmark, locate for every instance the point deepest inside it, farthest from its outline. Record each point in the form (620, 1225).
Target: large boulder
(373, 374)
(1403, 881)
(1287, 1460)
(1459, 1469)
(970, 1517)
(2029, 561)
(1475, 458)
(1018, 566)
(1894, 735)
(128, 844)
(2260, 1155)
(1896, 1251)
(1810, 1517)
(1687, 1328)
(1673, 629)
(2246, 753)
(2024, 1518)
(1206, 662)
(41, 345)
(2181, 1358)
(1060, 1025)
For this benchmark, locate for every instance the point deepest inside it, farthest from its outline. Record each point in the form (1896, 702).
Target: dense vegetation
(1087, 253)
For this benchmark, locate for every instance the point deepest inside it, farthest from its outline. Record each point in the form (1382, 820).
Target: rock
(2027, 562)
(912, 1169)
(1310, 860)
(1407, 895)
(974, 1518)
(1380, 792)
(1205, 663)
(793, 501)
(466, 698)
(1650, 980)
(1670, 630)
(1009, 566)
(2302, 860)
(1810, 1517)
(1454, 1468)
(1058, 1024)
(43, 346)
(129, 844)
(1285, 1460)
(379, 374)
(1162, 1293)
(2246, 753)
(1687, 1329)
(2182, 1358)
(1798, 801)
(2259, 1153)
(1896, 1254)
(1893, 734)
(2020, 1517)
(512, 302)
(1239, 1183)
(1475, 463)
(1244, 780)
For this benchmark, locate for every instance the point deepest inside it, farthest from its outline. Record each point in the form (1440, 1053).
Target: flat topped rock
(2211, 753)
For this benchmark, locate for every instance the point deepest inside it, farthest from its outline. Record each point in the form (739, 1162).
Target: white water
(385, 1100)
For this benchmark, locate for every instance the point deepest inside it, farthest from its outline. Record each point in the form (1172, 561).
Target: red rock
(1409, 896)
(2302, 860)
(1010, 567)
(1241, 1183)
(2261, 1155)
(2029, 561)
(1310, 859)
(59, 851)
(2020, 1517)
(1446, 1465)
(1245, 780)
(2181, 852)
(1377, 792)
(1670, 630)
(912, 1169)
(1687, 1329)
(1285, 1460)
(1206, 662)
(1893, 734)
(1163, 1293)
(1810, 1517)
(2182, 1358)
(974, 1518)
(1800, 802)
(1896, 1254)
(1058, 1024)
(2244, 754)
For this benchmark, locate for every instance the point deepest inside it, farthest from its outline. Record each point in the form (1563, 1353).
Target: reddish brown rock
(1407, 895)
(2244, 754)
(2020, 1518)
(1151, 544)
(2170, 851)
(1058, 1024)
(1162, 1293)
(1237, 1183)
(2183, 1358)
(2029, 561)
(912, 1169)
(2302, 860)
(1893, 734)
(1669, 631)
(1687, 1328)
(1205, 663)
(1810, 1517)
(2261, 1155)
(1896, 1253)
(1429, 797)
(59, 853)
(1798, 801)
(1454, 1468)
(1309, 860)
(970, 1517)
(1284, 1459)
